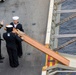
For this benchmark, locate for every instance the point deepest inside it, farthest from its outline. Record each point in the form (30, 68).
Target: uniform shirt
(11, 39)
(15, 25)
(18, 26)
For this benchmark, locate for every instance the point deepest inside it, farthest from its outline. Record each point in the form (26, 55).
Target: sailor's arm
(1, 24)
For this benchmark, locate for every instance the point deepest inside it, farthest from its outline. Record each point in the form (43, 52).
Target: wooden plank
(45, 50)
(42, 48)
(71, 58)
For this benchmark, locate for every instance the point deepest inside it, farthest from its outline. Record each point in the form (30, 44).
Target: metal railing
(61, 70)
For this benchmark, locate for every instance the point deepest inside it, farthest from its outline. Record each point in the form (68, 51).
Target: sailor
(11, 45)
(1, 57)
(17, 25)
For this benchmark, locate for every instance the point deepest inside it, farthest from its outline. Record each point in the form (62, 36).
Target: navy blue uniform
(19, 26)
(19, 43)
(11, 46)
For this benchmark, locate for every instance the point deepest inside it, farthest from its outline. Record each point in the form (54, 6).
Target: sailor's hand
(14, 30)
(22, 38)
(2, 22)
(5, 27)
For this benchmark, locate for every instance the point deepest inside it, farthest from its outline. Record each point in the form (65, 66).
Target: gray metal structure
(61, 70)
(54, 33)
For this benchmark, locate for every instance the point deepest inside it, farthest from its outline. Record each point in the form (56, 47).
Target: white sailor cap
(9, 26)
(15, 17)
